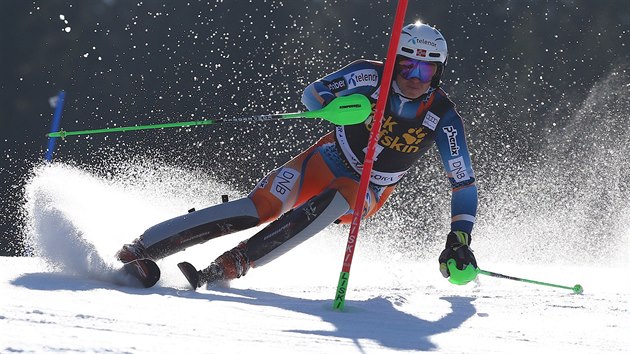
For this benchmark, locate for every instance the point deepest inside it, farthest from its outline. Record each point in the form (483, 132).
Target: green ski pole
(345, 110)
(577, 288)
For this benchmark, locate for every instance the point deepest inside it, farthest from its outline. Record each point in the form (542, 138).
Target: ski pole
(342, 285)
(345, 110)
(577, 288)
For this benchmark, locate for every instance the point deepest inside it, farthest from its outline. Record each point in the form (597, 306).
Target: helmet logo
(416, 41)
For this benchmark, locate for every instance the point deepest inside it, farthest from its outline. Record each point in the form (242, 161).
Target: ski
(191, 274)
(144, 271)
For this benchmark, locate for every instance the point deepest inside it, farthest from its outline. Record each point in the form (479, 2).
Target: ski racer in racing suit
(319, 186)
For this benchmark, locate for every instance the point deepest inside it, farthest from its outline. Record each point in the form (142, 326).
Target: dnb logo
(284, 182)
(458, 169)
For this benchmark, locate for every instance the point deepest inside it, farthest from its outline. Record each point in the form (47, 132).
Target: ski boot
(131, 252)
(138, 264)
(230, 265)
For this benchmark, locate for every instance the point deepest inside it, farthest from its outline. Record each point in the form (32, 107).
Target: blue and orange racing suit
(319, 186)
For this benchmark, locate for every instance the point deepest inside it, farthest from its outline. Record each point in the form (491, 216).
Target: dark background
(515, 69)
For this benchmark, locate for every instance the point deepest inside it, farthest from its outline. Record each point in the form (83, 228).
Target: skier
(319, 186)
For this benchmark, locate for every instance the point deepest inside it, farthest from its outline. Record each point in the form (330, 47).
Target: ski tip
(145, 271)
(191, 274)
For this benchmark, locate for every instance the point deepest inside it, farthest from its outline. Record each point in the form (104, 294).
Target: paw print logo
(414, 136)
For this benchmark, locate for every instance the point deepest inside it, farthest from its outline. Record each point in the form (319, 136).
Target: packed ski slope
(64, 299)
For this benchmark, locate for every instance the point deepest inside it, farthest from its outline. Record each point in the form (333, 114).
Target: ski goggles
(421, 70)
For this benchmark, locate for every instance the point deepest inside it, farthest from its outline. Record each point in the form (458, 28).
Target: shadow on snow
(374, 319)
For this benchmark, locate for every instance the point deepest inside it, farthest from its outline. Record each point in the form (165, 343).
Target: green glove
(457, 261)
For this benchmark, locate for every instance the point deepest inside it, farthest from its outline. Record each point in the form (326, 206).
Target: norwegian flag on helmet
(421, 53)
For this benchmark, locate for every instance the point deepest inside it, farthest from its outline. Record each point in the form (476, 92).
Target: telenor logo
(416, 41)
(365, 77)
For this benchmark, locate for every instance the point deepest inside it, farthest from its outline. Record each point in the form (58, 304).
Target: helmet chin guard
(422, 42)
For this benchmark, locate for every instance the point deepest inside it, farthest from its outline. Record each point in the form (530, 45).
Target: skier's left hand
(457, 261)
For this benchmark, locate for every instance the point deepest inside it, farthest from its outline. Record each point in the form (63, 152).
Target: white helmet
(422, 42)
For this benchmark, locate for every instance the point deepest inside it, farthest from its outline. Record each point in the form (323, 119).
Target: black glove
(458, 249)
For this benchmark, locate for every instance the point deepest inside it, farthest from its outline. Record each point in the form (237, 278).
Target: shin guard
(295, 227)
(197, 227)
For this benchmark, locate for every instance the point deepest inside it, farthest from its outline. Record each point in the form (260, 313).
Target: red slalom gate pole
(386, 81)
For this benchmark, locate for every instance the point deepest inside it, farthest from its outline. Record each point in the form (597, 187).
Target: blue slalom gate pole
(55, 125)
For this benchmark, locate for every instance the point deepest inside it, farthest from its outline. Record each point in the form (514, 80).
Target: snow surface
(64, 299)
